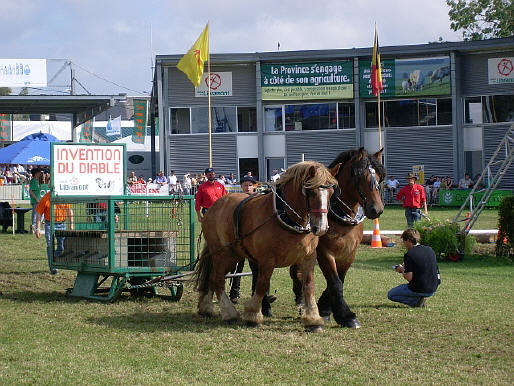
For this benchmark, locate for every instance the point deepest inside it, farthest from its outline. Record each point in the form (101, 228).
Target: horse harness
(280, 207)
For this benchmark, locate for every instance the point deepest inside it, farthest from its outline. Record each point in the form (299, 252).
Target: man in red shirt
(208, 193)
(413, 196)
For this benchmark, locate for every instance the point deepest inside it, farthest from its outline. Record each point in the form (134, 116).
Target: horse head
(359, 177)
(307, 188)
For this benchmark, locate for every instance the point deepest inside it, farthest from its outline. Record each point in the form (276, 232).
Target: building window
(246, 119)
(444, 111)
(371, 114)
(273, 119)
(180, 121)
(224, 120)
(498, 108)
(316, 116)
(346, 115)
(200, 120)
(473, 110)
(410, 112)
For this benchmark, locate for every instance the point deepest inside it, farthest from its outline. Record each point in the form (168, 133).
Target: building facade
(445, 106)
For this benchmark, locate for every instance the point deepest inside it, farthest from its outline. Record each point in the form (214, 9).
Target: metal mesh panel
(123, 235)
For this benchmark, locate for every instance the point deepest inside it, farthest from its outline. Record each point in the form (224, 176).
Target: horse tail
(203, 270)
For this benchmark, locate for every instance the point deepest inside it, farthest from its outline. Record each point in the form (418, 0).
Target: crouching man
(419, 268)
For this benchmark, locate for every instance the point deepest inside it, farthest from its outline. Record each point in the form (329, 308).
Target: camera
(395, 266)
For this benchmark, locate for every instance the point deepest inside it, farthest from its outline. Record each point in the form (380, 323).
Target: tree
(4, 91)
(482, 19)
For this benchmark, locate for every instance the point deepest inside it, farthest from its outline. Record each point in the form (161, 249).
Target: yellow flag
(191, 63)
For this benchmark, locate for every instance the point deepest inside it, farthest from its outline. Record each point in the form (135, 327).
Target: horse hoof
(314, 329)
(231, 321)
(352, 323)
(252, 324)
(205, 314)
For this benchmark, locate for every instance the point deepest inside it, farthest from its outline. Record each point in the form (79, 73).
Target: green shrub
(505, 227)
(443, 237)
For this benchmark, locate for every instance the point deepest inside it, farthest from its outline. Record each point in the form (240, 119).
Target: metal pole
(209, 94)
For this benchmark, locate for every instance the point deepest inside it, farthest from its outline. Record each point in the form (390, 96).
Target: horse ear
(312, 171)
(378, 155)
(334, 170)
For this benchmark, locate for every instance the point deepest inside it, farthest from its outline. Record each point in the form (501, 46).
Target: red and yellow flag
(191, 63)
(376, 70)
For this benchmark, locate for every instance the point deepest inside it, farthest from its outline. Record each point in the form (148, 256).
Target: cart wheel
(176, 291)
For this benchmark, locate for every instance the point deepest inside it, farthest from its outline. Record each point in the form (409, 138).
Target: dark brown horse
(255, 228)
(358, 178)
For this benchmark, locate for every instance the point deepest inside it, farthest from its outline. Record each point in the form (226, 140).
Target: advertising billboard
(23, 73)
(408, 77)
(301, 81)
(88, 170)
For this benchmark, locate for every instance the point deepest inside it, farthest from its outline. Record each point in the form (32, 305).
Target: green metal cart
(118, 243)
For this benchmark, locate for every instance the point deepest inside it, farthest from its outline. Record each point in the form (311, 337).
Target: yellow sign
(419, 171)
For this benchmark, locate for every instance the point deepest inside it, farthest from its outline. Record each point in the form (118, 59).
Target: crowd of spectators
(432, 186)
(19, 174)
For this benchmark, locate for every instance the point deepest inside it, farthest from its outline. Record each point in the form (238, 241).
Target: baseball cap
(248, 179)
(209, 170)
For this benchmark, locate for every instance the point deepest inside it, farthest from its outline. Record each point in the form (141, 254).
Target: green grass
(464, 336)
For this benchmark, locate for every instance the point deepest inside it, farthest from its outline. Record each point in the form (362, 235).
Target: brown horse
(275, 229)
(358, 178)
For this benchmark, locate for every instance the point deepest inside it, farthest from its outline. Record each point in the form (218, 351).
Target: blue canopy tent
(34, 149)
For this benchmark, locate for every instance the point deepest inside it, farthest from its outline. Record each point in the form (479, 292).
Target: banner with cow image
(88, 170)
(408, 77)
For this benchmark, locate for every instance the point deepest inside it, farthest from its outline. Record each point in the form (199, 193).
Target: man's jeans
(412, 215)
(402, 294)
(49, 244)
(34, 214)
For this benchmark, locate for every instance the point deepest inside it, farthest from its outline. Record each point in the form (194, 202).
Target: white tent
(137, 147)
(59, 129)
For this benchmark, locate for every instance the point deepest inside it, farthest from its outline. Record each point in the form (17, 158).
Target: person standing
(420, 269)
(413, 197)
(61, 211)
(187, 184)
(275, 176)
(35, 194)
(208, 193)
(173, 181)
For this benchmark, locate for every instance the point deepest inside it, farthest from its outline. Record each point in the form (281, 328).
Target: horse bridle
(299, 227)
(374, 184)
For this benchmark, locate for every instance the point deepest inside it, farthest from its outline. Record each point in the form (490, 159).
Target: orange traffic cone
(376, 240)
(468, 217)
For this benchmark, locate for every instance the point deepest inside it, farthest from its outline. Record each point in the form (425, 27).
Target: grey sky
(111, 38)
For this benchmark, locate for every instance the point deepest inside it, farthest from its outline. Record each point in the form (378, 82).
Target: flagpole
(379, 123)
(209, 98)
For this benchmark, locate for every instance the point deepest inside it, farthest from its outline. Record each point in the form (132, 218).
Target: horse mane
(299, 175)
(359, 158)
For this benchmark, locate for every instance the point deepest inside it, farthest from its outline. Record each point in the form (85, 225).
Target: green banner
(456, 197)
(408, 77)
(5, 127)
(25, 194)
(299, 81)
(139, 134)
(86, 134)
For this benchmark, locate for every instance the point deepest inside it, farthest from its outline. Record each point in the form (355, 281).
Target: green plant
(505, 242)
(444, 237)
